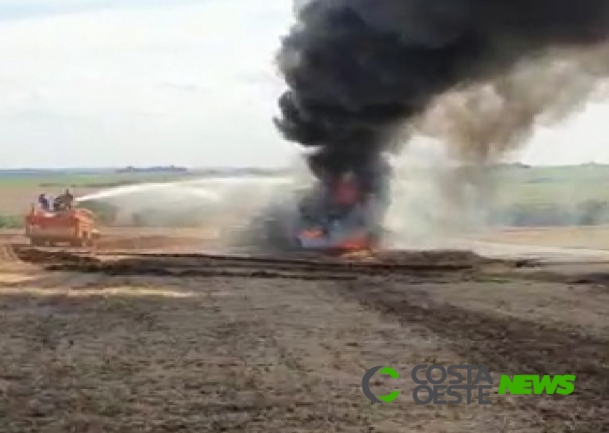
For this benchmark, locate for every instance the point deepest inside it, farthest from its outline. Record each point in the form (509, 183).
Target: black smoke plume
(358, 70)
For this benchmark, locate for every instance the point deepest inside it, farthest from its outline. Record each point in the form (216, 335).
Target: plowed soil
(130, 339)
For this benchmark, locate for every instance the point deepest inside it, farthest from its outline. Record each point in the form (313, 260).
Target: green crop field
(541, 185)
(103, 180)
(548, 196)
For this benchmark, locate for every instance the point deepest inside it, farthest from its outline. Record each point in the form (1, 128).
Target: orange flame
(313, 233)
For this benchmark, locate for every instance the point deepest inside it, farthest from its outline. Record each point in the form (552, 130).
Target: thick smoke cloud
(359, 70)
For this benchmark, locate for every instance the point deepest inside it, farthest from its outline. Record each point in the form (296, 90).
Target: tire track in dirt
(314, 347)
(509, 346)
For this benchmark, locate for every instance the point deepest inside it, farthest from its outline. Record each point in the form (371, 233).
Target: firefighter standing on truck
(43, 201)
(57, 204)
(68, 199)
(63, 202)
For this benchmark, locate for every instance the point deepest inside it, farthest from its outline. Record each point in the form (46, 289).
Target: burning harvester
(359, 71)
(342, 211)
(345, 208)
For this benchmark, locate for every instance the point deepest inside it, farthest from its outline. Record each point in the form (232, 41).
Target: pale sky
(156, 82)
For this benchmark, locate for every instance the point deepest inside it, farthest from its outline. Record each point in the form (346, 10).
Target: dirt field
(142, 341)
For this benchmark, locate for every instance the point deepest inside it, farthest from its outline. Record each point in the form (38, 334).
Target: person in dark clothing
(58, 203)
(63, 202)
(43, 201)
(68, 199)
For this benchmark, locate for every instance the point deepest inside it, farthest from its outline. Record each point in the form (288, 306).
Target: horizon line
(233, 168)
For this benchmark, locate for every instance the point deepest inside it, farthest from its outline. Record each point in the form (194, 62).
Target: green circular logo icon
(366, 387)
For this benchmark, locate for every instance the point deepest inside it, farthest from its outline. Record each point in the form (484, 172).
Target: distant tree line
(162, 169)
